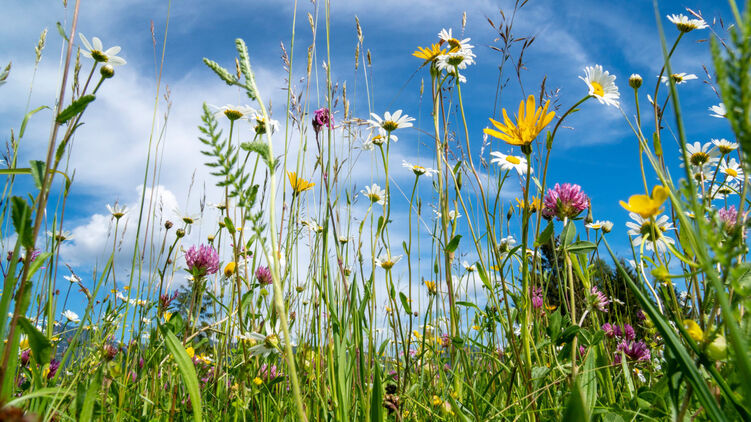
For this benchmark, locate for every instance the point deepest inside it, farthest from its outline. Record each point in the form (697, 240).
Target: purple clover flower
(202, 260)
(54, 366)
(610, 329)
(599, 300)
(537, 301)
(634, 351)
(628, 332)
(564, 201)
(263, 274)
(322, 117)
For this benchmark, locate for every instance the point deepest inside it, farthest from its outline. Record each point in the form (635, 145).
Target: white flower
(700, 155)
(61, 235)
(146, 320)
(312, 225)
(261, 126)
(117, 211)
(419, 170)
(452, 61)
(390, 122)
(234, 112)
(724, 190)
(375, 194)
(678, 78)
(96, 51)
(648, 233)
(639, 375)
(510, 162)
(732, 169)
(606, 226)
(453, 214)
(601, 85)
(72, 278)
(469, 268)
(725, 146)
(185, 217)
(268, 343)
(379, 138)
(454, 44)
(718, 111)
(71, 316)
(387, 261)
(684, 24)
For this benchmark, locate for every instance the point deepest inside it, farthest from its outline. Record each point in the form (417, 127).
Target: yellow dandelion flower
(298, 183)
(647, 206)
(694, 331)
(534, 204)
(191, 351)
(530, 121)
(257, 381)
(230, 269)
(429, 53)
(432, 289)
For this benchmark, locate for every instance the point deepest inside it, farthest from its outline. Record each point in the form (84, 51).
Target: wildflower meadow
(391, 211)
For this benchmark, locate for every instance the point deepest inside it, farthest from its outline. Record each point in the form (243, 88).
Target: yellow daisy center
(455, 45)
(233, 114)
(731, 172)
(389, 125)
(513, 160)
(597, 89)
(699, 158)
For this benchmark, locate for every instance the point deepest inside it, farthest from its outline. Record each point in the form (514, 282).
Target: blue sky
(108, 155)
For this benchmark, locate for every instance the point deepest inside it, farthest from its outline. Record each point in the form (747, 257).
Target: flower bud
(167, 224)
(180, 233)
(107, 71)
(634, 81)
(718, 349)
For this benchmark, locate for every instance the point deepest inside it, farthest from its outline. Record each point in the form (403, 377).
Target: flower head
(375, 194)
(725, 146)
(678, 78)
(564, 201)
(537, 300)
(605, 226)
(650, 232)
(601, 85)
(611, 330)
(233, 113)
(530, 121)
(684, 24)
(322, 117)
(510, 162)
(732, 170)
(701, 154)
(229, 269)
(390, 122)
(428, 54)
(52, 370)
(299, 184)
(647, 206)
(263, 275)
(419, 170)
(71, 316)
(387, 261)
(635, 81)
(718, 111)
(117, 211)
(598, 300)
(634, 351)
(728, 217)
(96, 51)
(202, 260)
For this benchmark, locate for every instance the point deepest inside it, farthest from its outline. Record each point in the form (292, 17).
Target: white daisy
(648, 233)
(61, 235)
(454, 44)
(234, 112)
(453, 214)
(312, 225)
(387, 261)
(72, 278)
(390, 122)
(718, 111)
(469, 268)
(266, 343)
(700, 155)
(678, 78)
(510, 162)
(606, 226)
(684, 24)
(506, 244)
(419, 170)
(725, 146)
(71, 316)
(261, 126)
(375, 194)
(601, 85)
(731, 169)
(724, 190)
(96, 51)
(117, 211)
(458, 60)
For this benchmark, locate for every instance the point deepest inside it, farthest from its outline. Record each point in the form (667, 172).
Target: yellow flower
(534, 204)
(694, 331)
(167, 315)
(437, 401)
(230, 269)
(529, 123)
(257, 381)
(431, 287)
(476, 327)
(299, 184)
(24, 343)
(550, 307)
(191, 351)
(429, 54)
(647, 206)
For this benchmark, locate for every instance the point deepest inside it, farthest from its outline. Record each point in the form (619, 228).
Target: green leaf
(187, 371)
(61, 30)
(38, 262)
(589, 379)
(740, 277)
(576, 408)
(26, 120)
(454, 243)
(554, 325)
(229, 224)
(41, 348)
(376, 397)
(37, 172)
(76, 107)
(484, 276)
(569, 233)
(405, 303)
(92, 393)
(21, 215)
(544, 237)
(581, 247)
(261, 148)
